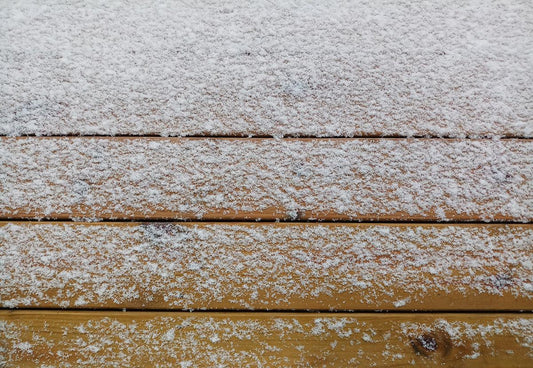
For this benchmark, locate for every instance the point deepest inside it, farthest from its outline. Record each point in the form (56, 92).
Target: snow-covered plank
(266, 266)
(166, 339)
(266, 67)
(190, 178)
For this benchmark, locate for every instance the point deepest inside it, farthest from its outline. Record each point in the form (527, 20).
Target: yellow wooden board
(266, 266)
(180, 339)
(299, 179)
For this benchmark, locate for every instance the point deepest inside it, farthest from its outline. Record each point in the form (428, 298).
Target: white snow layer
(187, 178)
(277, 67)
(262, 266)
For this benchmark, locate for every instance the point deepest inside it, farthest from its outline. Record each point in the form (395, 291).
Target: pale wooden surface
(298, 179)
(143, 339)
(266, 266)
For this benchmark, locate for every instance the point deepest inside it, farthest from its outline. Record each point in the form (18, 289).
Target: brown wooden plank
(392, 179)
(329, 68)
(266, 266)
(141, 339)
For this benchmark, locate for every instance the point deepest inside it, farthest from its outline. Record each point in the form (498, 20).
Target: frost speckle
(401, 302)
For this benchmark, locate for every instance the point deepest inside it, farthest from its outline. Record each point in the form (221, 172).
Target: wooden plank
(266, 266)
(141, 339)
(343, 179)
(329, 68)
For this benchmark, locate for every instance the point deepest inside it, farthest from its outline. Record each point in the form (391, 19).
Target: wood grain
(140, 339)
(298, 179)
(266, 266)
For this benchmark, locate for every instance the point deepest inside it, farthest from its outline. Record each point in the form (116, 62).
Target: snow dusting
(187, 178)
(267, 67)
(279, 110)
(285, 340)
(264, 266)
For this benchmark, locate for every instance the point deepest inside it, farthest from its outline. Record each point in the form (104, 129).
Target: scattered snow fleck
(26, 347)
(123, 341)
(214, 339)
(169, 335)
(401, 302)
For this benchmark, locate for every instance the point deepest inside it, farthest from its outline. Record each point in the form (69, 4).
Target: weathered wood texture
(142, 339)
(390, 179)
(266, 266)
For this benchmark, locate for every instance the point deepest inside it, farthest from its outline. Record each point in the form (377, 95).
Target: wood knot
(432, 343)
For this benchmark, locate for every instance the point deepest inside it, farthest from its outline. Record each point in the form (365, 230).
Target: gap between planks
(283, 137)
(259, 221)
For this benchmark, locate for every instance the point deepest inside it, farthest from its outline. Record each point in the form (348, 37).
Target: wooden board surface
(141, 339)
(266, 266)
(322, 111)
(151, 178)
(328, 68)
